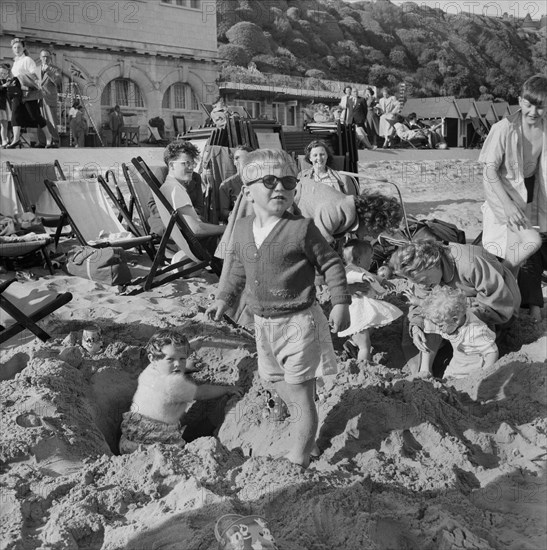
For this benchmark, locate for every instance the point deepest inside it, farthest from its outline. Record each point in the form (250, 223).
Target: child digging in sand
(365, 311)
(446, 313)
(164, 393)
(273, 258)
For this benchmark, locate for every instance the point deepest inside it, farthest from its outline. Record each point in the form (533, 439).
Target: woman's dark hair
(371, 92)
(180, 147)
(319, 143)
(378, 212)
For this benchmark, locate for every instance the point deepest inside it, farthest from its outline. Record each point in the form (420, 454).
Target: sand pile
(405, 464)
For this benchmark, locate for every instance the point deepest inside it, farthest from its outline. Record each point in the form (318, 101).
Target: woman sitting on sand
(319, 155)
(492, 291)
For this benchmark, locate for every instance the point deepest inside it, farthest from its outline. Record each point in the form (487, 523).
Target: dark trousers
(116, 138)
(529, 276)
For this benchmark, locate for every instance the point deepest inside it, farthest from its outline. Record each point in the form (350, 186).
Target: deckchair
(196, 257)
(179, 124)
(12, 248)
(155, 137)
(31, 191)
(140, 193)
(27, 321)
(479, 132)
(110, 177)
(84, 205)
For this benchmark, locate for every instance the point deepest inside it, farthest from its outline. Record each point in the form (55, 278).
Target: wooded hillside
(382, 44)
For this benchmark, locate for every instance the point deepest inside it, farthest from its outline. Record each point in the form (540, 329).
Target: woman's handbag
(33, 94)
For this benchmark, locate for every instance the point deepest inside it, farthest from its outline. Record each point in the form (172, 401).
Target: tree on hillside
(381, 43)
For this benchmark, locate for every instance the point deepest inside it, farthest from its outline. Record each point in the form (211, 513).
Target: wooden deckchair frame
(137, 241)
(135, 201)
(187, 265)
(23, 321)
(27, 196)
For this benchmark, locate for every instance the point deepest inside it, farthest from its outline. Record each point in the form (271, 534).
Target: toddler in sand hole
(365, 311)
(446, 313)
(165, 392)
(273, 257)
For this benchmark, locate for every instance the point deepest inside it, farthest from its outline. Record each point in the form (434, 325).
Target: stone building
(151, 57)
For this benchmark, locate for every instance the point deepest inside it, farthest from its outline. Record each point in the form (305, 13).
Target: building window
(278, 112)
(253, 107)
(291, 113)
(122, 92)
(180, 96)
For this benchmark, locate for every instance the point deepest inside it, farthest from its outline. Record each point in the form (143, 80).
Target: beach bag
(103, 265)
(445, 231)
(233, 532)
(32, 95)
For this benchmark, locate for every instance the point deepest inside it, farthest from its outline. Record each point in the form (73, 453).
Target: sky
(518, 8)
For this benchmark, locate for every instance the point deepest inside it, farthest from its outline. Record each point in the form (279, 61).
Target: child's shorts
(141, 430)
(294, 347)
(463, 365)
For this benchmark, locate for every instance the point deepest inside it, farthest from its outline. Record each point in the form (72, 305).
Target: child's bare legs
(535, 313)
(426, 364)
(362, 340)
(300, 400)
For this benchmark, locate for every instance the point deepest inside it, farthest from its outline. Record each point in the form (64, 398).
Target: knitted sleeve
(328, 263)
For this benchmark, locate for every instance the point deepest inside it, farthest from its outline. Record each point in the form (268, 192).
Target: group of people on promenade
(29, 93)
(287, 228)
(378, 122)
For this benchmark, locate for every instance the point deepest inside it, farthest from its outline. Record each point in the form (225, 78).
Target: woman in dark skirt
(27, 105)
(5, 114)
(373, 120)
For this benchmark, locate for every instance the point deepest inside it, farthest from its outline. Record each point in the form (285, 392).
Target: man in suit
(347, 103)
(49, 80)
(115, 121)
(359, 118)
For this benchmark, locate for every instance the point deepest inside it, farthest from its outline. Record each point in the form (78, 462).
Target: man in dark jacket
(359, 119)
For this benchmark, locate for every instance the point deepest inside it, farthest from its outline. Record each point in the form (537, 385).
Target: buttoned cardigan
(278, 278)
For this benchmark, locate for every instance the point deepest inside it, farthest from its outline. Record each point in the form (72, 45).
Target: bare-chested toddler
(165, 392)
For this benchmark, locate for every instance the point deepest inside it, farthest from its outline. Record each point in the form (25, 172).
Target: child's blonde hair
(444, 305)
(261, 162)
(354, 249)
(165, 337)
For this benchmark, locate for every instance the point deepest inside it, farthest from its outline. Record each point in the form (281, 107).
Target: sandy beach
(405, 464)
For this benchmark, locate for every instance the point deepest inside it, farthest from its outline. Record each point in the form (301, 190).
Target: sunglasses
(270, 182)
(185, 162)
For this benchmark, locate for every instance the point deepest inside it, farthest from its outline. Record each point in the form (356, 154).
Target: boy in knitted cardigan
(273, 259)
